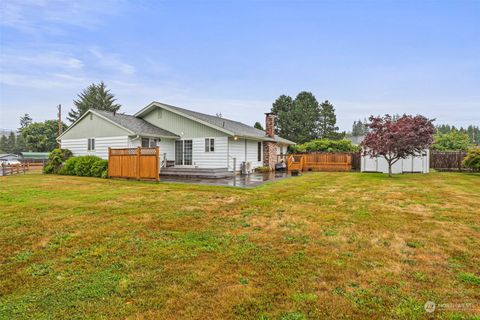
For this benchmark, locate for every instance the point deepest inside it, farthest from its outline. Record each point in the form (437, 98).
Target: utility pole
(60, 127)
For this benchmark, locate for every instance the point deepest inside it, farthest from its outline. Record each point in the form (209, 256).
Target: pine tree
(10, 147)
(95, 96)
(327, 121)
(258, 126)
(25, 121)
(4, 144)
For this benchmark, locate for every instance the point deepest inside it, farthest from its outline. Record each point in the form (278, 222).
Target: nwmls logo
(431, 306)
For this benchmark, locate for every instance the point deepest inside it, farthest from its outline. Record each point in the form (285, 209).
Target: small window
(259, 151)
(153, 143)
(91, 144)
(209, 145)
(145, 142)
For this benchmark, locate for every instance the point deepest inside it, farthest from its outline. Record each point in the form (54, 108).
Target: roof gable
(231, 127)
(129, 124)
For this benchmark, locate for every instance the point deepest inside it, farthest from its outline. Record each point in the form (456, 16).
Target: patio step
(213, 173)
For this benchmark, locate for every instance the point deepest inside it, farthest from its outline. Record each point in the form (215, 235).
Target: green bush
(325, 145)
(472, 160)
(69, 167)
(84, 165)
(98, 168)
(48, 168)
(263, 169)
(56, 158)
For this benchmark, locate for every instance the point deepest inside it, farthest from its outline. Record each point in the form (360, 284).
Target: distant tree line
(31, 136)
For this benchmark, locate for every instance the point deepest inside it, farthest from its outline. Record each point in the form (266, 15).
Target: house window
(209, 145)
(259, 151)
(91, 144)
(149, 142)
(153, 143)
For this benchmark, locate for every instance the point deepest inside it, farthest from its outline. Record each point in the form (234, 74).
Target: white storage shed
(416, 164)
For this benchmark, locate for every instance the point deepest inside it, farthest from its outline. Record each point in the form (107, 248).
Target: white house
(187, 139)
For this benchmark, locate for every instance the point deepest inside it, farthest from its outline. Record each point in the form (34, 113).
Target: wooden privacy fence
(134, 163)
(320, 162)
(448, 160)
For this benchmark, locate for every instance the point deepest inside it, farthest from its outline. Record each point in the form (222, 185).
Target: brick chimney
(270, 147)
(270, 124)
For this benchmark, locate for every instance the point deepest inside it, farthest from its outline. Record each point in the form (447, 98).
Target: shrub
(84, 165)
(98, 168)
(56, 158)
(69, 167)
(472, 160)
(263, 169)
(325, 145)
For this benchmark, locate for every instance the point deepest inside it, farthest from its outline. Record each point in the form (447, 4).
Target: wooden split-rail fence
(320, 162)
(11, 169)
(134, 163)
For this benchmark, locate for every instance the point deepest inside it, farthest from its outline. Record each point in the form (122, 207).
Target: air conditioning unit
(246, 167)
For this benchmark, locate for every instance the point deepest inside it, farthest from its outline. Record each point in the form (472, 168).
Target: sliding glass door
(183, 152)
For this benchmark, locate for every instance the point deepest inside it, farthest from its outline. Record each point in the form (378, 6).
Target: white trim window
(91, 144)
(209, 145)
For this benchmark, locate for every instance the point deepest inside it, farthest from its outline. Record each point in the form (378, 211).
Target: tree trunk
(390, 170)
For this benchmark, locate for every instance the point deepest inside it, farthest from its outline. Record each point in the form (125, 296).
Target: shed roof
(35, 155)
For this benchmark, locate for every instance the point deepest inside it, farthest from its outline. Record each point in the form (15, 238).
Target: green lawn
(324, 245)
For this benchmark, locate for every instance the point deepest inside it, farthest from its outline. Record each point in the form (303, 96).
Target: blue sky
(236, 57)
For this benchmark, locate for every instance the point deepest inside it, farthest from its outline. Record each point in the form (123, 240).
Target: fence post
(109, 163)
(157, 155)
(139, 151)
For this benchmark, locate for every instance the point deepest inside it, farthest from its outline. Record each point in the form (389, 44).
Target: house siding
(215, 159)
(243, 150)
(93, 126)
(79, 147)
(166, 146)
(182, 126)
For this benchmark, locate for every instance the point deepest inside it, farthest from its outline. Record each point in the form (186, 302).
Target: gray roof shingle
(137, 125)
(238, 128)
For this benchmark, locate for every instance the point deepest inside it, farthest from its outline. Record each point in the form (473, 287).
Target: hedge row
(325, 145)
(85, 166)
(60, 161)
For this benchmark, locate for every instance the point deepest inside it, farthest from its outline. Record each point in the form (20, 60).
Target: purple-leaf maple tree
(396, 139)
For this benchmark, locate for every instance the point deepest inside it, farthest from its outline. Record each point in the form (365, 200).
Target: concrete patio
(241, 181)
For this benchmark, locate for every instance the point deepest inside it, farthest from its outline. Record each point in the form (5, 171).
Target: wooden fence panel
(448, 160)
(320, 162)
(134, 163)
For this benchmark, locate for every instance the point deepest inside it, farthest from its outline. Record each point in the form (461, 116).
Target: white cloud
(112, 61)
(43, 59)
(35, 16)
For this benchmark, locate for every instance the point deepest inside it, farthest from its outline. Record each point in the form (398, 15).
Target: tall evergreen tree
(11, 142)
(327, 121)
(297, 119)
(25, 120)
(283, 107)
(95, 96)
(4, 144)
(258, 126)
